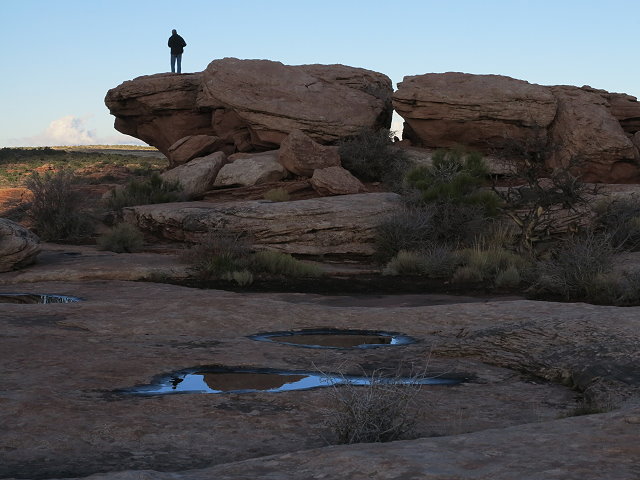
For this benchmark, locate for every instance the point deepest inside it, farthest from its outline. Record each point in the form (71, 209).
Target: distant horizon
(64, 57)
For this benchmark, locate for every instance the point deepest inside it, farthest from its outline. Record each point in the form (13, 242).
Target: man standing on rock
(176, 44)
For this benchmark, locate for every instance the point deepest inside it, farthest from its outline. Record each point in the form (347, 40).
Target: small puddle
(335, 338)
(36, 298)
(246, 380)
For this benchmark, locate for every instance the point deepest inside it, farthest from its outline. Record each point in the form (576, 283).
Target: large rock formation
(341, 225)
(493, 113)
(479, 111)
(252, 104)
(18, 246)
(159, 109)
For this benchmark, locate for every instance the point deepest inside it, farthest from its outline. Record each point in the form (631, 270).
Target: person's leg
(173, 64)
(179, 63)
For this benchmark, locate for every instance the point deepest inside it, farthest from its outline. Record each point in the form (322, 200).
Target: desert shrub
(616, 289)
(420, 227)
(371, 156)
(508, 278)
(218, 254)
(620, 218)
(56, 206)
(381, 411)
(277, 195)
(242, 277)
(152, 190)
(490, 264)
(456, 177)
(278, 263)
(576, 267)
(541, 202)
(123, 238)
(436, 261)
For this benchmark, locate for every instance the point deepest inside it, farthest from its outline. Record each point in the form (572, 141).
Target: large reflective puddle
(25, 298)
(219, 379)
(335, 338)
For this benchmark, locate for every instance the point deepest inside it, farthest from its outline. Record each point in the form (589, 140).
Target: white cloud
(70, 130)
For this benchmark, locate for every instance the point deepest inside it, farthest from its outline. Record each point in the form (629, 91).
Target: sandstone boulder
(335, 181)
(198, 175)
(261, 101)
(478, 111)
(340, 225)
(584, 130)
(301, 155)
(18, 246)
(494, 113)
(252, 104)
(247, 169)
(159, 109)
(192, 146)
(625, 108)
(636, 140)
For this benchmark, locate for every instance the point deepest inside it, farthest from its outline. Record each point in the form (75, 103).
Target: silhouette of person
(176, 44)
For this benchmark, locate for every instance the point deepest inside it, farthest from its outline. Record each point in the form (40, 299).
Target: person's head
(174, 31)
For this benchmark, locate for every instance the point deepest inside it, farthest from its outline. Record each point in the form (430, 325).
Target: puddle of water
(334, 338)
(241, 380)
(36, 298)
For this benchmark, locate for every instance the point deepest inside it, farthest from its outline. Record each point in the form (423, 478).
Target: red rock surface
(301, 155)
(252, 104)
(491, 112)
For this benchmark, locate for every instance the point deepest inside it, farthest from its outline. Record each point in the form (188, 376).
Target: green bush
(421, 227)
(576, 268)
(454, 177)
(277, 263)
(152, 190)
(620, 218)
(218, 254)
(56, 206)
(277, 195)
(493, 264)
(123, 238)
(434, 262)
(371, 156)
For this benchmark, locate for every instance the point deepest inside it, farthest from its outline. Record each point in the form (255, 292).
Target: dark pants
(173, 62)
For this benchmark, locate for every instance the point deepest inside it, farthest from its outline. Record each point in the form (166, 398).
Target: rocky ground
(528, 366)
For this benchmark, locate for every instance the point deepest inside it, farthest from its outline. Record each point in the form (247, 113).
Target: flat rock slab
(61, 364)
(78, 263)
(340, 225)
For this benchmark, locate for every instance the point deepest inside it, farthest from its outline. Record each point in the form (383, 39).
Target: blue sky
(61, 56)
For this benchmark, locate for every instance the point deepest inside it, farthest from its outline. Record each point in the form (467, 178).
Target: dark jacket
(177, 44)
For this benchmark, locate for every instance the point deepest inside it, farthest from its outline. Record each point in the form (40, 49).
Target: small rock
(301, 155)
(335, 181)
(251, 169)
(198, 175)
(193, 146)
(18, 246)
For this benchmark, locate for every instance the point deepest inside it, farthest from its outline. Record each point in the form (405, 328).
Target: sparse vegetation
(277, 195)
(123, 238)
(56, 206)
(381, 411)
(620, 218)
(278, 263)
(144, 192)
(542, 202)
(371, 156)
(435, 262)
(17, 164)
(218, 255)
(576, 268)
(455, 177)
